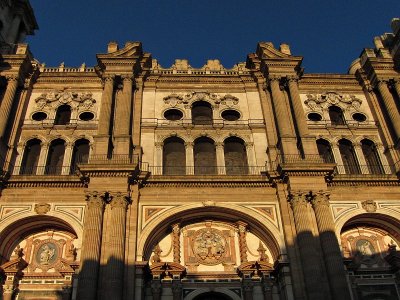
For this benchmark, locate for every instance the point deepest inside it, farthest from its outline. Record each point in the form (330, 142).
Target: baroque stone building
(129, 180)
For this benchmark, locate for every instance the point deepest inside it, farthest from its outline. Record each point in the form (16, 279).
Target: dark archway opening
(235, 156)
(31, 156)
(202, 113)
(212, 296)
(325, 151)
(174, 157)
(55, 157)
(349, 158)
(80, 154)
(63, 115)
(336, 115)
(205, 158)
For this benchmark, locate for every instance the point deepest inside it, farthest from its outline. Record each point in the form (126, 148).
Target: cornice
(23, 181)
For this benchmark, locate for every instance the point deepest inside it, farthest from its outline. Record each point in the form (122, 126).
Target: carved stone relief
(52, 99)
(317, 102)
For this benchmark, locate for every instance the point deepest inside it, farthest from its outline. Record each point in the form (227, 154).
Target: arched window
(174, 156)
(63, 115)
(202, 113)
(30, 159)
(371, 156)
(235, 156)
(336, 115)
(55, 157)
(205, 158)
(349, 157)
(80, 154)
(325, 150)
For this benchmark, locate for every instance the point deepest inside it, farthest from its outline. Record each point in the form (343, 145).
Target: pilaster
(6, 104)
(189, 158)
(90, 255)
(305, 240)
(330, 246)
(219, 147)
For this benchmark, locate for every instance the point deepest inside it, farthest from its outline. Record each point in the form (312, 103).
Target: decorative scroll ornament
(84, 100)
(229, 100)
(175, 100)
(209, 246)
(316, 101)
(369, 205)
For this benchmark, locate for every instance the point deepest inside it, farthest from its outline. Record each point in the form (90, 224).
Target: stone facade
(129, 180)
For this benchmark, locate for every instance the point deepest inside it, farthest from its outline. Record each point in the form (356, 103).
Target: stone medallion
(47, 254)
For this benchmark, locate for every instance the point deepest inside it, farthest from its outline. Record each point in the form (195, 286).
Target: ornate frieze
(323, 101)
(52, 99)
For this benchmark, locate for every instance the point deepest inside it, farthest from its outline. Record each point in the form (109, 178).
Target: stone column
(283, 117)
(189, 158)
(330, 246)
(247, 287)
(242, 241)
(90, 257)
(390, 106)
(18, 161)
(158, 168)
(8, 291)
(251, 159)
(123, 109)
(397, 87)
(338, 158)
(66, 166)
(114, 269)
(176, 242)
(219, 148)
(361, 159)
(44, 151)
(6, 104)
(308, 142)
(305, 240)
(382, 157)
(103, 132)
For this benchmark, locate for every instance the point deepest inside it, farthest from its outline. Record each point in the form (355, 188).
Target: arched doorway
(212, 296)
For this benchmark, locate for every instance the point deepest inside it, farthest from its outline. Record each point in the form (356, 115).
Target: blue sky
(329, 34)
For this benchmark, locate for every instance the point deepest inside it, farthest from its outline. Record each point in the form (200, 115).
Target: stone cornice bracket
(95, 199)
(319, 198)
(298, 198)
(294, 78)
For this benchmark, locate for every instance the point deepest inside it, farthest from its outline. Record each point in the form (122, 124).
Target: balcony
(203, 171)
(187, 123)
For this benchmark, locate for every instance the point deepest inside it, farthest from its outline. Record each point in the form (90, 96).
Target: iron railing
(203, 170)
(44, 170)
(363, 170)
(115, 159)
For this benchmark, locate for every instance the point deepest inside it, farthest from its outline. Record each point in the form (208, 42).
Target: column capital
(292, 78)
(242, 226)
(298, 198)
(248, 144)
(176, 228)
(219, 144)
(94, 199)
(380, 81)
(189, 144)
(12, 77)
(127, 78)
(118, 200)
(320, 198)
(159, 144)
(273, 78)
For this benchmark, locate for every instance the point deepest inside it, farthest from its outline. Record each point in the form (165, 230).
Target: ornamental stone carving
(52, 99)
(323, 101)
(298, 198)
(42, 208)
(209, 246)
(369, 205)
(185, 100)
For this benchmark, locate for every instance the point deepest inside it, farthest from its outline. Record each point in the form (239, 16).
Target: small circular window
(359, 117)
(173, 114)
(230, 115)
(314, 117)
(39, 116)
(86, 116)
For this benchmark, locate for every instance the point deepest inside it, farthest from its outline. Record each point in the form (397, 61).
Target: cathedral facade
(129, 180)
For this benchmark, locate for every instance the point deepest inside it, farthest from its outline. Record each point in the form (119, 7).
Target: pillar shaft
(397, 87)
(330, 247)
(116, 262)
(390, 106)
(88, 275)
(106, 103)
(219, 148)
(282, 115)
(123, 109)
(176, 243)
(6, 104)
(308, 143)
(189, 158)
(309, 256)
